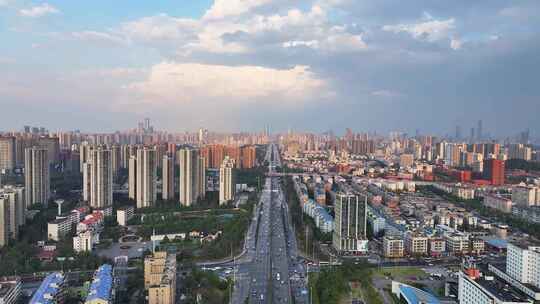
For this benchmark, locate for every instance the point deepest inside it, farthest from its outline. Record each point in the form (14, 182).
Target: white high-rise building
(132, 178)
(226, 181)
(146, 177)
(101, 178)
(84, 154)
(350, 224)
(167, 192)
(523, 263)
(36, 174)
(86, 173)
(17, 208)
(188, 160)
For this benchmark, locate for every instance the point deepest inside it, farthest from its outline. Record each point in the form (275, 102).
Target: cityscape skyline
(269, 152)
(375, 66)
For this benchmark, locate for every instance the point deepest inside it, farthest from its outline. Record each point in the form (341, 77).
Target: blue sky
(242, 64)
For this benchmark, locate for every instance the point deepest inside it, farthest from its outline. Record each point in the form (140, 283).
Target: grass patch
(400, 273)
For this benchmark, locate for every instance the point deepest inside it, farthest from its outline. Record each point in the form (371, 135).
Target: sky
(230, 65)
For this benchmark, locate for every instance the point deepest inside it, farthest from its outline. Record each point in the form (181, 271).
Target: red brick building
(494, 171)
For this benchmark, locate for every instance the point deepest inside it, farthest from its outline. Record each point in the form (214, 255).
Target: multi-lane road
(270, 271)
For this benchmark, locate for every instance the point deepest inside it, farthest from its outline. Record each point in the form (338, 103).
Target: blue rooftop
(417, 296)
(102, 283)
(48, 289)
(498, 243)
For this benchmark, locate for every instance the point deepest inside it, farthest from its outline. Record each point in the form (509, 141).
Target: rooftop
(102, 284)
(48, 289)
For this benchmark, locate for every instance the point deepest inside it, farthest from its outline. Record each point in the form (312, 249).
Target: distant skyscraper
(146, 177)
(190, 178)
(479, 130)
(350, 224)
(226, 181)
(472, 135)
(168, 178)
(7, 153)
(36, 174)
(458, 132)
(101, 178)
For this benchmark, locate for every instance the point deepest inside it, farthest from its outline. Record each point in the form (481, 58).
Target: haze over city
(236, 65)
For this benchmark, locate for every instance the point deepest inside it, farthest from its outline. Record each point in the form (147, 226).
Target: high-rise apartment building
(494, 171)
(7, 153)
(87, 184)
(52, 145)
(146, 177)
(188, 160)
(523, 263)
(4, 222)
(17, 208)
(167, 192)
(101, 178)
(132, 178)
(115, 159)
(201, 178)
(350, 224)
(37, 178)
(226, 181)
(249, 157)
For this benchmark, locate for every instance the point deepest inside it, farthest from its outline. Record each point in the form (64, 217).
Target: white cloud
(230, 8)
(386, 93)
(294, 28)
(97, 36)
(430, 30)
(299, 43)
(456, 44)
(39, 10)
(184, 83)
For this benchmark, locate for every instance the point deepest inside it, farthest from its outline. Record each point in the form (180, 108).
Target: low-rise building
(437, 246)
(498, 202)
(393, 246)
(102, 287)
(416, 243)
(51, 290)
(58, 228)
(160, 278)
(85, 241)
(124, 214)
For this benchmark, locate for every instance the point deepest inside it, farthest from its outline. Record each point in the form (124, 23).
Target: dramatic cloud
(39, 10)
(184, 83)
